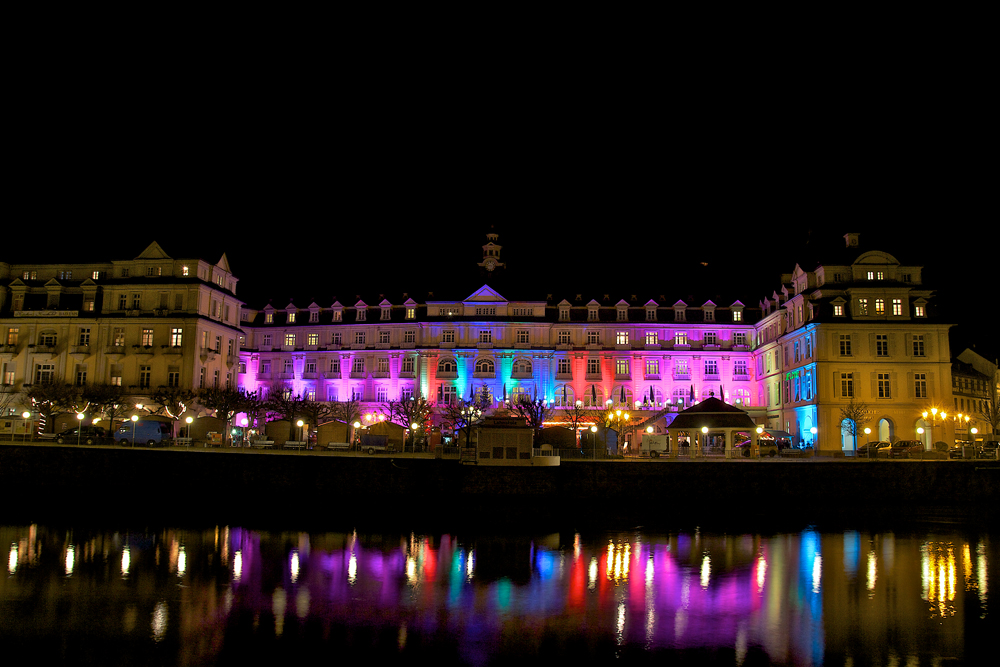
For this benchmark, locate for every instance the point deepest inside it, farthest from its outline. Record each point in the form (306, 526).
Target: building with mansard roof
(854, 326)
(143, 323)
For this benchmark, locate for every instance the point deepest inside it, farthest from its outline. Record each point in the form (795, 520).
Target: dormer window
(268, 318)
(291, 318)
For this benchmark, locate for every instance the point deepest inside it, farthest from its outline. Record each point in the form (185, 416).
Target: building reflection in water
(803, 598)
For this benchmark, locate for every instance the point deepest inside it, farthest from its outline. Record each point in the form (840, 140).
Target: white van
(146, 431)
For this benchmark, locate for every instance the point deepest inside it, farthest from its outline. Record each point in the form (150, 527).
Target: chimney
(851, 239)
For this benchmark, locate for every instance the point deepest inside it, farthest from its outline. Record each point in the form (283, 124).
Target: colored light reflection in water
(792, 598)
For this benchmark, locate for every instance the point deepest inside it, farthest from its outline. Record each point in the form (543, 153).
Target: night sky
(593, 183)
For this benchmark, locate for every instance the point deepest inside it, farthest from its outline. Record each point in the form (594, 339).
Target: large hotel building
(858, 326)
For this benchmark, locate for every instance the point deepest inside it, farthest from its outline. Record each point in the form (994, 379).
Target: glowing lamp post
(135, 418)
(188, 421)
(26, 416)
(79, 426)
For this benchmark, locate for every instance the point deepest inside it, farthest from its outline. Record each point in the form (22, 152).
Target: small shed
(716, 417)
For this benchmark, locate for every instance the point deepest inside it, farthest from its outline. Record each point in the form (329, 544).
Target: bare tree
(534, 412)
(575, 414)
(173, 401)
(110, 400)
(10, 396)
(226, 401)
(463, 416)
(856, 413)
(314, 412)
(52, 398)
(406, 412)
(347, 412)
(990, 411)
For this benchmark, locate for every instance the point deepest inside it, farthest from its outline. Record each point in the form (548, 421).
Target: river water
(236, 595)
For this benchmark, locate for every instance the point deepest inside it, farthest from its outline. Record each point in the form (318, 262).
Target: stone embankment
(45, 483)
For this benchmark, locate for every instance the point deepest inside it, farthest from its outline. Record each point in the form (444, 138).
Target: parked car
(87, 435)
(956, 452)
(870, 449)
(145, 431)
(988, 450)
(767, 448)
(901, 449)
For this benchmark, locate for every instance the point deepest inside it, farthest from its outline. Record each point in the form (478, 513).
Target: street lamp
(135, 418)
(593, 439)
(26, 416)
(79, 426)
(188, 421)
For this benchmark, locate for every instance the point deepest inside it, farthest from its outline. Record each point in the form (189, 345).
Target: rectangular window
(81, 375)
(358, 365)
(84, 339)
(147, 338)
(740, 338)
(621, 367)
(880, 306)
(290, 340)
(485, 336)
(846, 385)
(621, 338)
(740, 368)
(897, 307)
(563, 338)
(409, 337)
(448, 336)
(652, 338)
(920, 385)
(680, 338)
(711, 367)
(361, 315)
(711, 338)
(145, 372)
(652, 366)
(383, 365)
(522, 336)
(862, 306)
(563, 367)
(411, 313)
(838, 310)
(312, 339)
(919, 311)
(335, 366)
(173, 379)
(918, 346)
(883, 385)
(386, 314)
(448, 394)
(593, 366)
(881, 345)
(383, 337)
(845, 345)
(593, 338)
(737, 316)
(407, 366)
(359, 337)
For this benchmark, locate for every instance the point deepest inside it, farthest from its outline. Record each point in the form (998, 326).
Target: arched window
(522, 368)
(447, 366)
(485, 366)
(564, 397)
(593, 397)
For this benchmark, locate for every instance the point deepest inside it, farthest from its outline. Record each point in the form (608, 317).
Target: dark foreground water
(232, 595)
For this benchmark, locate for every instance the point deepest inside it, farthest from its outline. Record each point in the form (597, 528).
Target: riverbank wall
(45, 483)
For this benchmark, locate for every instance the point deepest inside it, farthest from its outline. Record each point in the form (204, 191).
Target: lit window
(312, 339)
(919, 311)
(485, 366)
(621, 366)
(290, 340)
(147, 337)
(862, 306)
(897, 307)
(176, 337)
(291, 318)
(652, 338)
(680, 338)
(621, 338)
(838, 310)
(880, 306)
(652, 366)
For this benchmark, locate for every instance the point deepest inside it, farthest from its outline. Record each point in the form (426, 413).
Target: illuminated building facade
(148, 322)
(859, 326)
(859, 329)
